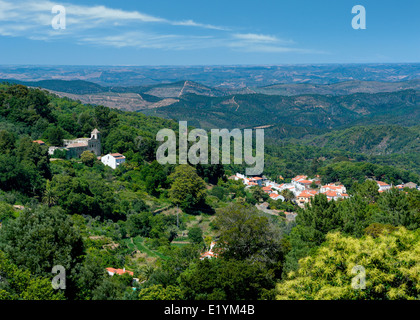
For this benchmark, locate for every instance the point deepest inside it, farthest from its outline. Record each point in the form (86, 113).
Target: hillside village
(305, 188)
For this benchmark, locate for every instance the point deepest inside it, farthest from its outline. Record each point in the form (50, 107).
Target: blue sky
(216, 32)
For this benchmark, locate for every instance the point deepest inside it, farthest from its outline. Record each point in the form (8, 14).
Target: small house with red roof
(113, 160)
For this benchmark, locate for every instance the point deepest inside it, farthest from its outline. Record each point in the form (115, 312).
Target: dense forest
(156, 220)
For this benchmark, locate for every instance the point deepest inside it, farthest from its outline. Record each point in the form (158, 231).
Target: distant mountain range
(311, 111)
(221, 77)
(341, 88)
(304, 105)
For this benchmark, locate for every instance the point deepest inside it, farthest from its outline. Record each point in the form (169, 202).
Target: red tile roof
(331, 194)
(305, 181)
(116, 154)
(306, 194)
(299, 178)
(119, 271)
(208, 254)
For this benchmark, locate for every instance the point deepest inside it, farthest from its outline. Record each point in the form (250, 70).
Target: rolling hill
(318, 111)
(371, 140)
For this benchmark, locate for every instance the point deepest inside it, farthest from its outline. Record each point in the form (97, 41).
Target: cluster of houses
(74, 149)
(304, 188)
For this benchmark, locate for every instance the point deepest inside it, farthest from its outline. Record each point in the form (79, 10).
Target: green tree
(42, 238)
(287, 194)
(395, 209)
(390, 262)
(19, 284)
(367, 190)
(7, 141)
(259, 194)
(54, 135)
(219, 279)
(313, 223)
(187, 190)
(50, 197)
(244, 234)
(139, 224)
(195, 234)
(158, 292)
(88, 158)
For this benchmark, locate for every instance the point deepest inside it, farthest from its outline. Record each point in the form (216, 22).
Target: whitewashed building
(113, 160)
(383, 186)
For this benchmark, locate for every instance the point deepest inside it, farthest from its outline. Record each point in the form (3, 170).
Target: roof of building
(306, 194)
(39, 141)
(333, 186)
(305, 181)
(208, 254)
(410, 184)
(96, 131)
(330, 193)
(117, 155)
(119, 271)
(382, 183)
(76, 145)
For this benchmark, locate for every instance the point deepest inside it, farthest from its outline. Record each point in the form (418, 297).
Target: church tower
(95, 142)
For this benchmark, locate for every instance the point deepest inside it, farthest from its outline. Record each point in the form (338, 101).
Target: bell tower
(95, 142)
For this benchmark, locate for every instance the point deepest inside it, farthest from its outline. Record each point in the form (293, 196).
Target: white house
(383, 186)
(113, 160)
(333, 187)
(276, 196)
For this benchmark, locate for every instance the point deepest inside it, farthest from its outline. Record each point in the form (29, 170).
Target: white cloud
(191, 23)
(104, 26)
(31, 12)
(255, 37)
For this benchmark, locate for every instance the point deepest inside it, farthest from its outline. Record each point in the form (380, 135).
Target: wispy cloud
(252, 37)
(191, 23)
(104, 26)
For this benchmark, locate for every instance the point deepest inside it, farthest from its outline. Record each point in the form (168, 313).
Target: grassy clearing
(179, 244)
(141, 246)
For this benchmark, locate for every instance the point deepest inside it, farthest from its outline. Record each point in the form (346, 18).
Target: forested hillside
(157, 220)
(319, 111)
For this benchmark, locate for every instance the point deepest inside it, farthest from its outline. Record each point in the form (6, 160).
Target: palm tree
(49, 198)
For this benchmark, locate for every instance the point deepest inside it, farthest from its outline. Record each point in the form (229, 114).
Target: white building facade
(113, 160)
